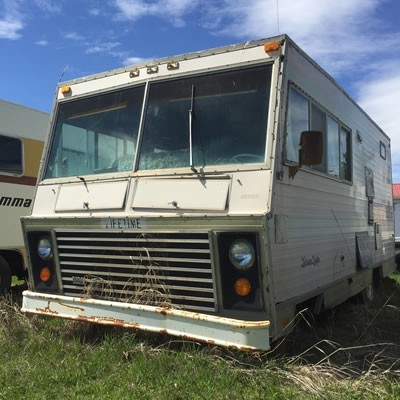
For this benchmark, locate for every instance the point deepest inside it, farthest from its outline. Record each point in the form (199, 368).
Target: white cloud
(337, 33)
(73, 36)
(102, 47)
(94, 11)
(134, 60)
(49, 6)
(12, 22)
(379, 95)
(173, 10)
(42, 43)
(9, 28)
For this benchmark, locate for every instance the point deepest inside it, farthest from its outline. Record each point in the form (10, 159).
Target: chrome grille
(165, 269)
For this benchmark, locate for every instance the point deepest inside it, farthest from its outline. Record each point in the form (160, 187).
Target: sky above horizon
(356, 41)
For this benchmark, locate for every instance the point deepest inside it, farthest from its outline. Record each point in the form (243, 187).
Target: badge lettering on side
(15, 202)
(313, 260)
(122, 223)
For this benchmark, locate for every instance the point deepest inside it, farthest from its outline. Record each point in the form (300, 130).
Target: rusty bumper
(245, 335)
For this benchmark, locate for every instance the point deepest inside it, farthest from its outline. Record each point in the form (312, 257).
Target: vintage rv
(22, 134)
(209, 196)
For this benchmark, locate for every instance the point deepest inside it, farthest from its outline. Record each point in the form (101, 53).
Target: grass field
(352, 352)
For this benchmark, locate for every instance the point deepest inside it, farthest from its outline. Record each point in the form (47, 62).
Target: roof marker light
(134, 73)
(66, 89)
(152, 69)
(272, 46)
(173, 65)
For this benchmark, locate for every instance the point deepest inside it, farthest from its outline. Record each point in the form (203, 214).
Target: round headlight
(242, 254)
(44, 248)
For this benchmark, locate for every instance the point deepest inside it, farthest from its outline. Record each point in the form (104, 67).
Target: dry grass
(149, 289)
(351, 352)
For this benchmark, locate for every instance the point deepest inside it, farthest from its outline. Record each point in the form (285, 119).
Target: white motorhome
(173, 196)
(22, 134)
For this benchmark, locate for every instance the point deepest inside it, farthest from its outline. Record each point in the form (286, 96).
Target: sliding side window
(11, 156)
(304, 115)
(333, 147)
(345, 157)
(298, 121)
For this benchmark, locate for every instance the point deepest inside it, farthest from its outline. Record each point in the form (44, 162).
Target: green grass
(350, 353)
(15, 281)
(395, 277)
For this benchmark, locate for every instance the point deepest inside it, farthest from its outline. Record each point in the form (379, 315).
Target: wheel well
(314, 304)
(377, 276)
(15, 260)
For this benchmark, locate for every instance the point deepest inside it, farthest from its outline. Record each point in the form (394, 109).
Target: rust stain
(245, 348)
(107, 321)
(163, 311)
(74, 308)
(47, 310)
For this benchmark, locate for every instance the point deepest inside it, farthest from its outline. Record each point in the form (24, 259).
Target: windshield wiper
(84, 182)
(191, 114)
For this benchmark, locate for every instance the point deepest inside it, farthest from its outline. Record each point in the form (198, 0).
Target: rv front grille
(163, 269)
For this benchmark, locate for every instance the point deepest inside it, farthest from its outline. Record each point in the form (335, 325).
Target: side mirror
(311, 148)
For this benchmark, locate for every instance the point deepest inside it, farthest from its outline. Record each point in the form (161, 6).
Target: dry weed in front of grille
(94, 286)
(149, 290)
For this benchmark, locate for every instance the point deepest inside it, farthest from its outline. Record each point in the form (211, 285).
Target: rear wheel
(5, 277)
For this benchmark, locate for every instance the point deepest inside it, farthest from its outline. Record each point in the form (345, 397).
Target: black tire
(5, 277)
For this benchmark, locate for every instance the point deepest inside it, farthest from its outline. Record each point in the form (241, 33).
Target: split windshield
(214, 119)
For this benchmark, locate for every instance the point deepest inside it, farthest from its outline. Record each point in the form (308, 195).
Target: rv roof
(181, 57)
(214, 51)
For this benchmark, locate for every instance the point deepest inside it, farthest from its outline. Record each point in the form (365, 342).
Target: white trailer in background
(209, 195)
(22, 134)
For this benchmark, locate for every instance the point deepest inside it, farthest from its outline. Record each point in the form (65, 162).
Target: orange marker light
(242, 287)
(66, 89)
(45, 274)
(273, 46)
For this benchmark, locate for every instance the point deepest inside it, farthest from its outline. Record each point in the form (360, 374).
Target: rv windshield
(213, 119)
(228, 122)
(96, 135)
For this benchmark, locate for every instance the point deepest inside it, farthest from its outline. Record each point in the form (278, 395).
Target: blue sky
(357, 41)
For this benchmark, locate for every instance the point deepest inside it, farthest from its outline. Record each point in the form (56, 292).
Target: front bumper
(244, 335)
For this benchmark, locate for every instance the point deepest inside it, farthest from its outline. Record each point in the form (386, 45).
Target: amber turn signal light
(66, 89)
(272, 46)
(45, 274)
(242, 287)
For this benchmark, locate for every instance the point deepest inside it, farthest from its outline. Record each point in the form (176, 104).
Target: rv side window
(333, 147)
(297, 122)
(345, 158)
(11, 156)
(383, 150)
(318, 123)
(304, 114)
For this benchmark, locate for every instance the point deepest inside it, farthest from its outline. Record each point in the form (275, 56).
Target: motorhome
(22, 135)
(209, 195)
